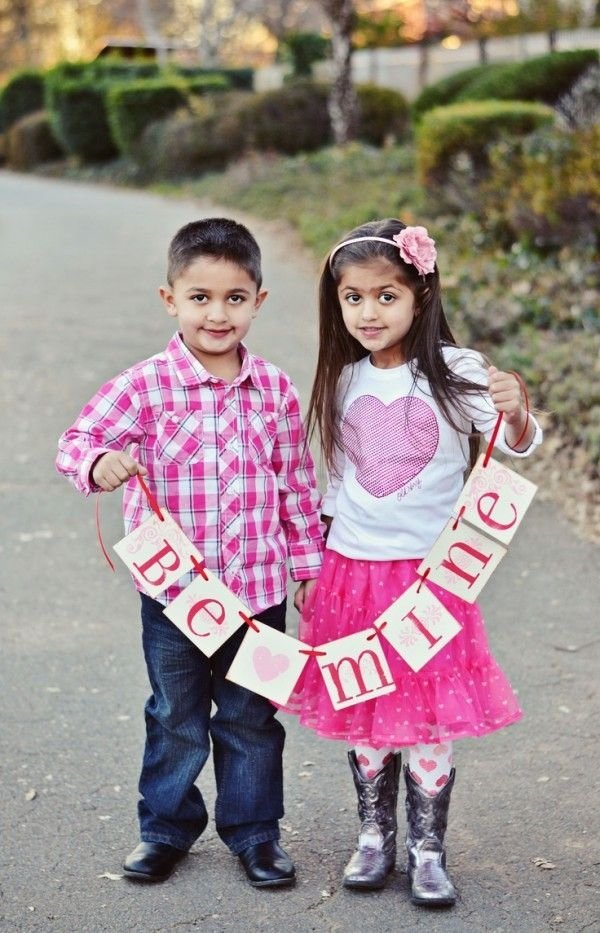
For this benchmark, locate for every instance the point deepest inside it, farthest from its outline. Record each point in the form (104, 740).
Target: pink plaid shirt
(227, 461)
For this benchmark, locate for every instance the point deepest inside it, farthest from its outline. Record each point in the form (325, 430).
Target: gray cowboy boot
(426, 820)
(377, 799)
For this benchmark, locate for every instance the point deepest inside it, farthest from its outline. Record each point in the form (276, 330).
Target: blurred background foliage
(500, 161)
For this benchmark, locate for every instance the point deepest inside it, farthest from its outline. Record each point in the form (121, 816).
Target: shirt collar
(191, 372)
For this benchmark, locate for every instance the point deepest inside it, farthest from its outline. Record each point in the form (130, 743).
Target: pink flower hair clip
(416, 247)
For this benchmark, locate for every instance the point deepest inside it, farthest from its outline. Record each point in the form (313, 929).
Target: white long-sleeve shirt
(402, 466)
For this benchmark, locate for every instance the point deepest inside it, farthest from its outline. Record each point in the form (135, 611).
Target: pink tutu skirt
(460, 692)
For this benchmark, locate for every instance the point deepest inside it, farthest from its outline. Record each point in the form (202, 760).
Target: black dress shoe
(267, 865)
(152, 861)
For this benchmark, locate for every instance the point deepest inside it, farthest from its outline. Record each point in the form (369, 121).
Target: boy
(218, 434)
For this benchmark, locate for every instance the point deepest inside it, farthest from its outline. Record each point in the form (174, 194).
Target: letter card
(157, 553)
(417, 625)
(269, 663)
(462, 560)
(355, 669)
(495, 499)
(207, 612)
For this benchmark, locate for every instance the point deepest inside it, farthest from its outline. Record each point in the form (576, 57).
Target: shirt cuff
(507, 449)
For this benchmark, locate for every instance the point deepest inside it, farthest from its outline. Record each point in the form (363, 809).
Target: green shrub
(133, 106)
(207, 84)
(303, 49)
(289, 120)
(543, 79)
(23, 93)
(187, 143)
(78, 115)
(31, 142)
(447, 132)
(545, 188)
(445, 91)
(240, 79)
(383, 114)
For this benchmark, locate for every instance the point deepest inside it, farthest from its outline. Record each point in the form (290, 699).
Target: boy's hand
(302, 592)
(505, 393)
(113, 469)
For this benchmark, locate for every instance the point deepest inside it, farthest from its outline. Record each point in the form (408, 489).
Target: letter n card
(355, 669)
(417, 625)
(462, 560)
(268, 663)
(157, 553)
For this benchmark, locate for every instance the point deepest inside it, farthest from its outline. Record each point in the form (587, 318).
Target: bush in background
(545, 188)
(134, 105)
(207, 84)
(77, 109)
(23, 93)
(466, 130)
(288, 120)
(30, 142)
(544, 79)
(194, 141)
(240, 79)
(445, 91)
(382, 114)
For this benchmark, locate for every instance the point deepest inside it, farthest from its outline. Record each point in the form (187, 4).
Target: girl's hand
(113, 469)
(505, 393)
(302, 592)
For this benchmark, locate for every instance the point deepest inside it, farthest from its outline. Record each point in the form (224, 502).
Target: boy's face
(215, 302)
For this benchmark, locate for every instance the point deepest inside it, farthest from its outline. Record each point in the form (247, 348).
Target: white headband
(416, 247)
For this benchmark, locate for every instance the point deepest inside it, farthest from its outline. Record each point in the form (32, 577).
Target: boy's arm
(109, 422)
(299, 497)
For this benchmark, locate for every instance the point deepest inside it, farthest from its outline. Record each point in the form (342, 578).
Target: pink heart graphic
(416, 777)
(440, 749)
(427, 765)
(442, 780)
(363, 760)
(267, 665)
(389, 444)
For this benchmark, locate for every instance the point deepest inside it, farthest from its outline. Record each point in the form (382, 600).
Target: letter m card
(157, 553)
(355, 669)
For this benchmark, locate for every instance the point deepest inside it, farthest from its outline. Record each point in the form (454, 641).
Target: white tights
(430, 765)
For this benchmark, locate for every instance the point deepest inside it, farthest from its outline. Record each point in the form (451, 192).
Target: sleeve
(480, 408)
(109, 421)
(299, 497)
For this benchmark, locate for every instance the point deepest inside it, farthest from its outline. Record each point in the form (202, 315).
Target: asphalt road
(79, 270)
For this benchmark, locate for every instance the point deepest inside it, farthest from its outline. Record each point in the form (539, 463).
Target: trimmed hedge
(291, 119)
(240, 79)
(382, 114)
(31, 142)
(207, 84)
(446, 90)
(543, 79)
(133, 106)
(78, 115)
(446, 132)
(187, 143)
(23, 93)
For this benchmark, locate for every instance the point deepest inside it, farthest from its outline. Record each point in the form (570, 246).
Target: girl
(395, 401)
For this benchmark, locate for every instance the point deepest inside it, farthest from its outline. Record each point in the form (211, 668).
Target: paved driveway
(79, 268)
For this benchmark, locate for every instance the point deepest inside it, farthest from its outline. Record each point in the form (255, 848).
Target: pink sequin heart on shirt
(389, 444)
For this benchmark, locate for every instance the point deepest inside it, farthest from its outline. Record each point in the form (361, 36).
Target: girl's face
(378, 309)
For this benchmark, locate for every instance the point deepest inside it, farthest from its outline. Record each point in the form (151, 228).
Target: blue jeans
(247, 741)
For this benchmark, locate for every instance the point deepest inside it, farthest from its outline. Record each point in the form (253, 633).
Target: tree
(342, 98)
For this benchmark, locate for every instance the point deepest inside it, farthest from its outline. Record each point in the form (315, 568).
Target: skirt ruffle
(460, 692)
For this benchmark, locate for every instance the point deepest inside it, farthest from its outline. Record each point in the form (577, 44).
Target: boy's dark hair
(218, 237)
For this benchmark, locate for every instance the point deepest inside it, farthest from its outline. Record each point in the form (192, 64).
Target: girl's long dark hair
(423, 345)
